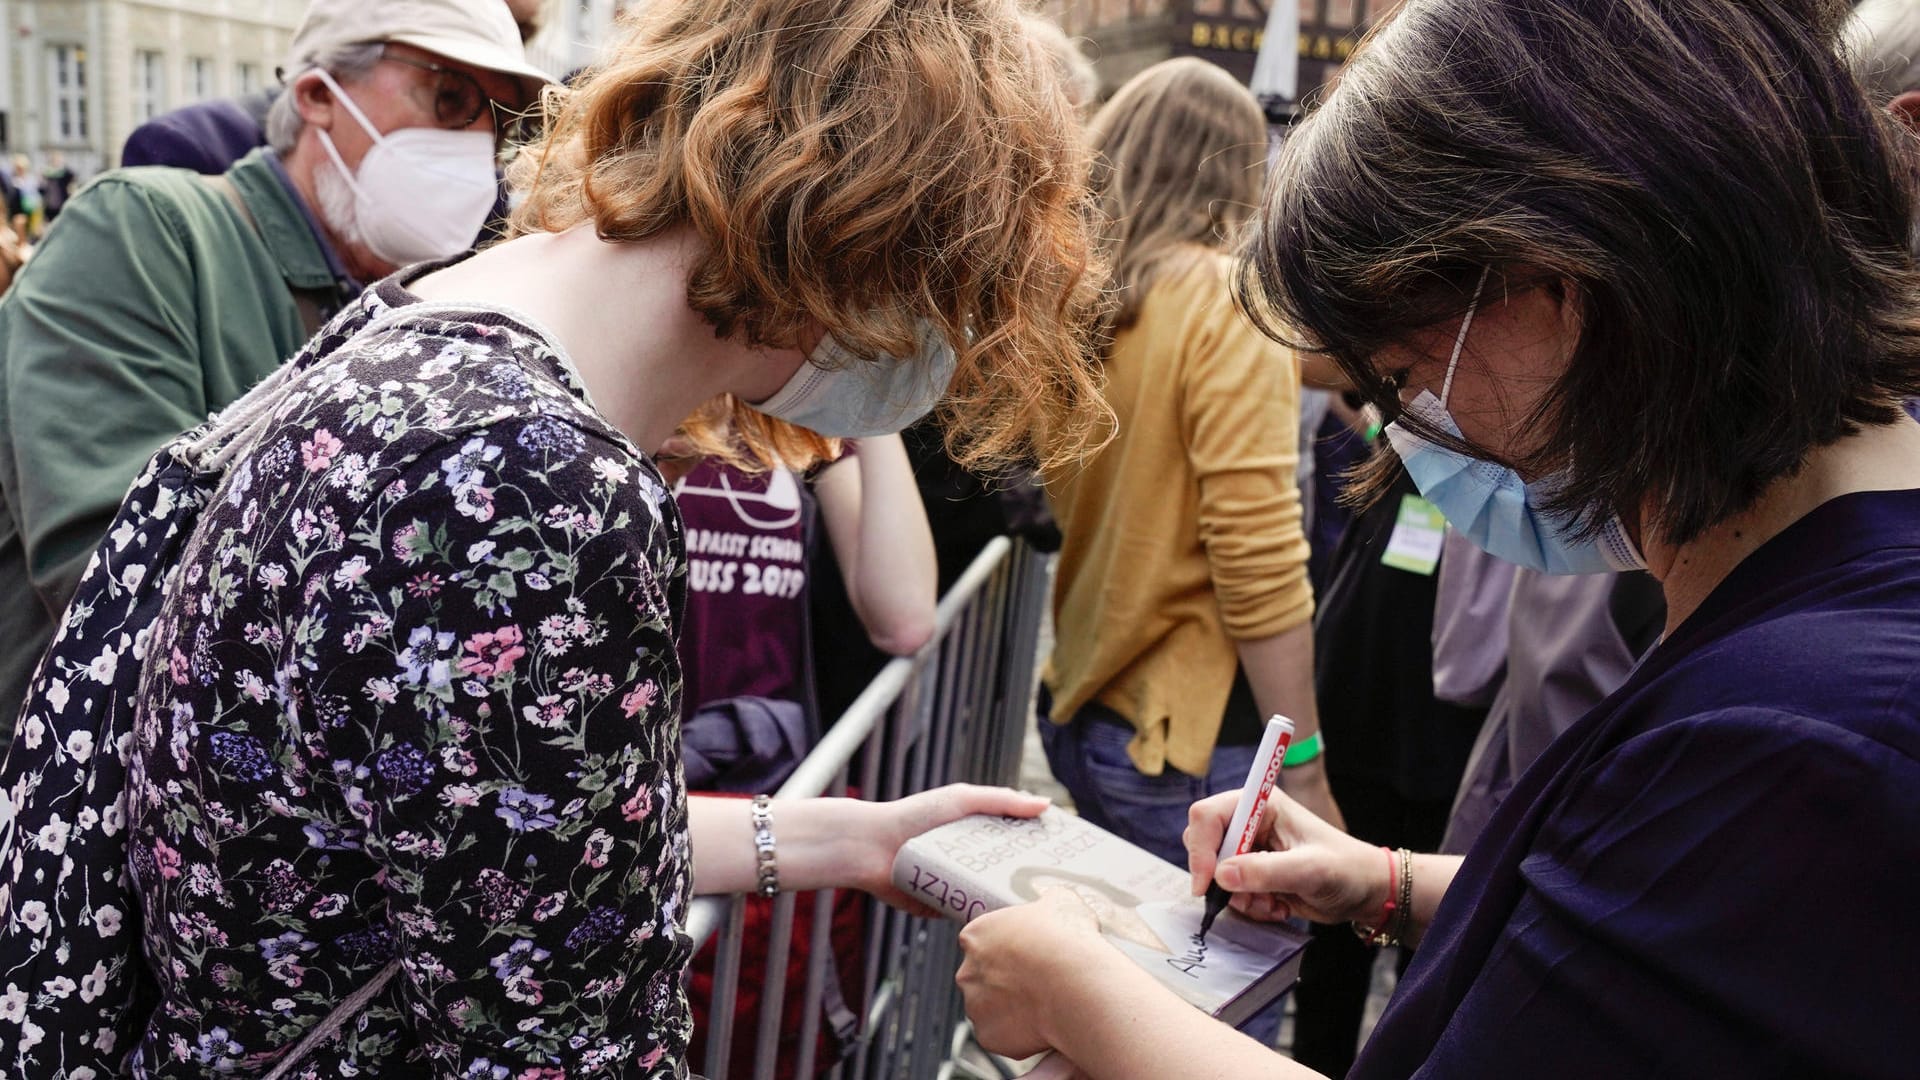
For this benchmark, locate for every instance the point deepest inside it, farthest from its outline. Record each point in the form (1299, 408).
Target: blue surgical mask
(837, 394)
(1490, 504)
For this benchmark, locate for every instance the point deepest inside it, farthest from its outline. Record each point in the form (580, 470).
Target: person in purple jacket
(1632, 281)
(750, 536)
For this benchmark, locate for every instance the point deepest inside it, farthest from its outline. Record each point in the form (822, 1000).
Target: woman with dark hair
(405, 773)
(1633, 276)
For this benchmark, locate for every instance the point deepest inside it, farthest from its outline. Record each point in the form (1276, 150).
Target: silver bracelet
(765, 864)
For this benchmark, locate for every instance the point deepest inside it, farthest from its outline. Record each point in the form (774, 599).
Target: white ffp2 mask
(421, 192)
(839, 395)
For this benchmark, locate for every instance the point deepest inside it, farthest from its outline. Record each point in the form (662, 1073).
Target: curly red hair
(858, 164)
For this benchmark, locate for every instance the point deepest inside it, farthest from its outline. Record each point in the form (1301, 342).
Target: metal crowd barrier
(956, 711)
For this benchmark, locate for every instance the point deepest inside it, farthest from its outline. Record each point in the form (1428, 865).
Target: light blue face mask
(1490, 504)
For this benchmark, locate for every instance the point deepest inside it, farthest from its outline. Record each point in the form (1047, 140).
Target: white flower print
(365, 664)
(350, 571)
(13, 1004)
(240, 482)
(609, 470)
(95, 982)
(104, 665)
(474, 501)
(53, 837)
(33, 915)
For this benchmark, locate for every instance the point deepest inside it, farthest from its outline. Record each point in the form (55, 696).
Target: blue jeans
(1089, 758)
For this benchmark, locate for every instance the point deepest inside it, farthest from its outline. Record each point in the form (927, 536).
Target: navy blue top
(1715, 873)
(207, 137)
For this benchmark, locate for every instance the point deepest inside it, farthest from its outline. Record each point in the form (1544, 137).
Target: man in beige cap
(209, 136)
(162, 295)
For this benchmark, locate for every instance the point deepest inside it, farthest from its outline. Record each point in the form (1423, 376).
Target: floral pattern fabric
(73, 989)
(418, 698)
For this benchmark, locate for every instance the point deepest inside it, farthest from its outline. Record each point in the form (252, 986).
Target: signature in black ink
(1194, 957)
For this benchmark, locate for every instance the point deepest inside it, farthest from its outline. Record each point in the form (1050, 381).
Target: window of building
(67, 78)
(246, 78)
(1343, 14)
(200, 78)
(149, 85)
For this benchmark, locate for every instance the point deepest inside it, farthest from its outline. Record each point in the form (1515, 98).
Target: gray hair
(1884, 37)
(346, 63)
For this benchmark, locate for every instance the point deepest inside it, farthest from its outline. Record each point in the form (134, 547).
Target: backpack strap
(312, 303)
(334, 1021)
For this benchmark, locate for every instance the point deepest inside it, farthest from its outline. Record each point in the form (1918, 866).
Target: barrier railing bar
(773, 992)
(981, 673)
(843, 739)
(876, 927)
(820, 943)
(838, 746)
(941, 708)
(907, 729)
(726, 988)
(949, 712)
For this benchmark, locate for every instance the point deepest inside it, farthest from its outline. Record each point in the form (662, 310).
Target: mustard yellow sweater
(1183, 534)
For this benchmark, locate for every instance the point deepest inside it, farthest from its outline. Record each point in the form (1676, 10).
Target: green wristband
(1307, 749)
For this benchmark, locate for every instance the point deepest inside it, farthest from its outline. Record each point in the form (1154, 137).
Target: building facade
(1125, 37)
(78, 76)
(572, 33)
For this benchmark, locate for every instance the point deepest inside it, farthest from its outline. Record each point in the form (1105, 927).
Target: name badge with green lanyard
(1417, 535)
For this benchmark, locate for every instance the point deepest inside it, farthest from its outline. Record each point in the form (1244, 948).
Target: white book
(1145, 904)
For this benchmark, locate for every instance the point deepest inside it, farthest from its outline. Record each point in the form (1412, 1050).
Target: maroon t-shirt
(747, 583)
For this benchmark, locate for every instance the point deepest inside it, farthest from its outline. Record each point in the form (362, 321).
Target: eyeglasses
(458, 98)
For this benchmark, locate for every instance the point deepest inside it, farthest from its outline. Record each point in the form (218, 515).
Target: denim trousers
(1089, 759)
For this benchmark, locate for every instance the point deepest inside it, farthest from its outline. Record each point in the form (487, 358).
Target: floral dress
(419, 699)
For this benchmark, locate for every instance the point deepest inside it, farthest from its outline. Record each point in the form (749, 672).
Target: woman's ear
(1906, 109)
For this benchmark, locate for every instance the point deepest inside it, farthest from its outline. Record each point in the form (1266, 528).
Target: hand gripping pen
(1245, 826)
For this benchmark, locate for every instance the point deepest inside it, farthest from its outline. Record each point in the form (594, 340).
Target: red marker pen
(1245, 826)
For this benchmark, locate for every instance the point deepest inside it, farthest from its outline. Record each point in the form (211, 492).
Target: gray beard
(337, 209)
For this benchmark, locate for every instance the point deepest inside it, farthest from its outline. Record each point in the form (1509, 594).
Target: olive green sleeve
(100, 345)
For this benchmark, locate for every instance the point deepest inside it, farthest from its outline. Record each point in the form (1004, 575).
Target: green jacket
(152, 303)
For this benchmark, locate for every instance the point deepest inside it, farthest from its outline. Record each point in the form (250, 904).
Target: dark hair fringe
(1728, 210)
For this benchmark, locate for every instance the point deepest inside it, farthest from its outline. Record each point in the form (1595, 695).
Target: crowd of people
(438, 504)
(33, 198)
